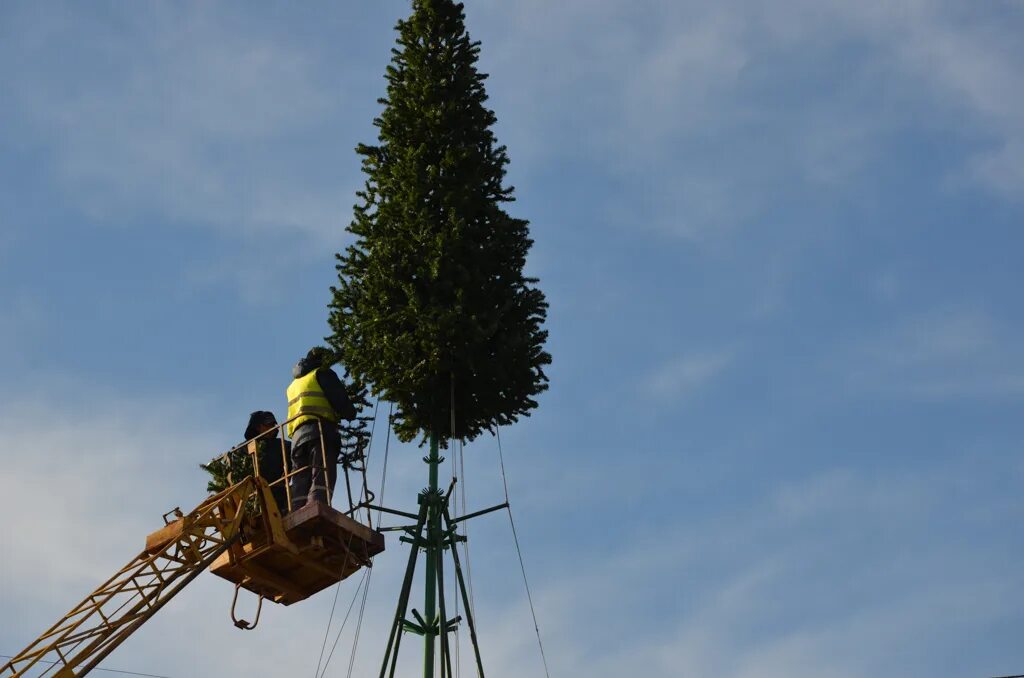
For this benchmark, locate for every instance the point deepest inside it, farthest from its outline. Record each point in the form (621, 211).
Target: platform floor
(331, 547)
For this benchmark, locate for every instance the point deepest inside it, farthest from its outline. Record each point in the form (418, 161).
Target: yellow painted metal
(174, 556)
(178, 552)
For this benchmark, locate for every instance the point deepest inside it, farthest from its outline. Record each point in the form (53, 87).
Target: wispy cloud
(832, 574)
(948, 353)
(683, 375)
(196, 118)
(22, 319)
(827, 575)
(176, 113)
(80, 484)
(710, 115)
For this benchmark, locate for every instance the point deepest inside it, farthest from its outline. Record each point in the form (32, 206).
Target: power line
(99, 668)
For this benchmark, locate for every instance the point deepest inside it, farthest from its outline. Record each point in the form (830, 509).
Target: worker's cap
(317, 358)
(319, 355)
(258, 420)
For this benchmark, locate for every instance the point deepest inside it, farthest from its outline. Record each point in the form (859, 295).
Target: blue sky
(781, 242)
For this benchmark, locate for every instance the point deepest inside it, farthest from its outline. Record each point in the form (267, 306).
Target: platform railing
(237, 471)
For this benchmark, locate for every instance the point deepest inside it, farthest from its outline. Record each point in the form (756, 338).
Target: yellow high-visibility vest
(306, 398)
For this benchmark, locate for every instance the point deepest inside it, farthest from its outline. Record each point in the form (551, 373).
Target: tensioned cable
(384, 473)
(327, 631)
(515, 537)
(366, 460)
(369, 572)
(98, 668)
(359, 624)
(351, 605)
(465, 529)
(455, 456)
(337, 588)
(471, 603)
(344, 566)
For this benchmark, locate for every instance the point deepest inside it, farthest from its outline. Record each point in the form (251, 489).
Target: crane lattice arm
(173, 557)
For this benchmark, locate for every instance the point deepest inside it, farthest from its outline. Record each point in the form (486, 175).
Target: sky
(781, 243)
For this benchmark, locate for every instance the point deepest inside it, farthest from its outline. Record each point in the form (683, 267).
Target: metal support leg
(465, 597)
(446, 658)
(394, 639)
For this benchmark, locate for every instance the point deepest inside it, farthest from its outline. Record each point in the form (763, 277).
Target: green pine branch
(431, 295)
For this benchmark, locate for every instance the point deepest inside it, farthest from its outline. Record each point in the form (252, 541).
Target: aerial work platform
(287, 558)
(323, 547)
(290, 558)
(239, 533)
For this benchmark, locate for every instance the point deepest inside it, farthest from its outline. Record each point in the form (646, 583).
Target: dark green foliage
(230, 469)
(237, 462)
(431, 297)
(354, 436)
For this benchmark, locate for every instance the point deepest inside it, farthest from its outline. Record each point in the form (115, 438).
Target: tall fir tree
(432, 307)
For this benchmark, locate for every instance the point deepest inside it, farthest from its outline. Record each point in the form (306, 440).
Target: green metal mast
(434, 532)
(430, 576)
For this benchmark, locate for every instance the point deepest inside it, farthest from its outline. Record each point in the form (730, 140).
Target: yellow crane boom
(241, 529)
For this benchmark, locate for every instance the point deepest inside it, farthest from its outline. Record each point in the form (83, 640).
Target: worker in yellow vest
(317, 402)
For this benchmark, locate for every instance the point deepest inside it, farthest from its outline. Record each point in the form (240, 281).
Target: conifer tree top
(432, 307)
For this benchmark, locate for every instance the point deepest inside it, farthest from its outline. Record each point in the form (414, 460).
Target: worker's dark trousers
(312, 484)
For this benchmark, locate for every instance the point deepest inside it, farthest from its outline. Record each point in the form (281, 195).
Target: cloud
(711, 115)
(86, 476)
(87, 487)
(948, 353)
(971, 59)
(684, 375)
(833, 574)
(177, 114)
(706, 116)
(23, 318)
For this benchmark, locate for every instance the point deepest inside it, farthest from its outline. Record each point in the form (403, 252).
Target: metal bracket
(241, 623)
(177, 514)
(480, 513)
(423, 628)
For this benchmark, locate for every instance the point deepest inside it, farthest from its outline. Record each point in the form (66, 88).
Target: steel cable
(515, 537)
(369, 575)
(351, 605)
(462, 488)
(359, 624)
(98, 668)
(337, 588)
(327, 631)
